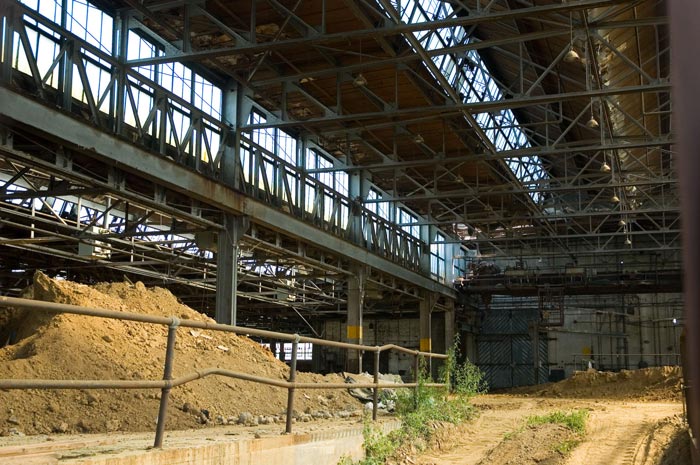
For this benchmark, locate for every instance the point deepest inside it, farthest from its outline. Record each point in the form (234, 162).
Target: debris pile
(63, 346)
(649, 384)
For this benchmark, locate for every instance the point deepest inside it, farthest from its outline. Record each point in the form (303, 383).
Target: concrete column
(356, 294)
(227, 268)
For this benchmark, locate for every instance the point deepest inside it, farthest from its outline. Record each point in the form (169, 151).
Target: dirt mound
(651, 384)
(668, 443)
(533, 445)
(50, 346)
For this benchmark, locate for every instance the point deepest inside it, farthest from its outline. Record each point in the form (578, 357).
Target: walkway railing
(621, 361)
(168, 382)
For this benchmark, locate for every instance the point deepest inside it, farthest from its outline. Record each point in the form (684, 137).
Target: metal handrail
(579, 359)
(167, 383)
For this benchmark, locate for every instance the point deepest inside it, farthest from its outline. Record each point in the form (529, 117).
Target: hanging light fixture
(418, 139)
(360, 80)
(592, 123)
(622, 223)
(628, 241)
(605, 168)
(571, 56)
(615, 198)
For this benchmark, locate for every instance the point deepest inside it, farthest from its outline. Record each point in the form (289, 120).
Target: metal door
(504, 348)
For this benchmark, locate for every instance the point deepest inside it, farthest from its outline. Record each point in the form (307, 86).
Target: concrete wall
(320, 448)
(613, 332)
(616, 332)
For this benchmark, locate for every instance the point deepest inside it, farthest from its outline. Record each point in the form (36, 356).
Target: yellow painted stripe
(354, 332)
(425, 344)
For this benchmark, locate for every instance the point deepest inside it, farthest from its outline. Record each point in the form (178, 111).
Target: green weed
(566, 446)
(423, 408)
(575, 421)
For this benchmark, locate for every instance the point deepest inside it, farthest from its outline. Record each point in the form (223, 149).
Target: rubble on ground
(63, 346)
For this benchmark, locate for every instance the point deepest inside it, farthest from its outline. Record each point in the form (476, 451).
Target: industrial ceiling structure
(291, 149)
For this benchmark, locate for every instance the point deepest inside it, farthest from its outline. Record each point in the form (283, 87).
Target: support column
(227, 267)
(358, 189)
(449, 324)
(426, 308)
(8, 14)
(426, 235)
(235, 110)
(356, 297)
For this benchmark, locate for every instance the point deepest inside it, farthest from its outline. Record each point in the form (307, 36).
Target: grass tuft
(575, 421)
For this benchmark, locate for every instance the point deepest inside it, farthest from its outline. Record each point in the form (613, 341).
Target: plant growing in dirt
(465, 378)
(423, 409)
(574, 421)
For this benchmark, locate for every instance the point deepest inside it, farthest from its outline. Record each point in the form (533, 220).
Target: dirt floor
(634, 419)
(49, 346)
(617, 433)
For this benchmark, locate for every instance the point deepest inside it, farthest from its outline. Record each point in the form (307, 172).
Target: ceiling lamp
(418, 139)
(605, 168)
(622, 223)
(615, 199)
(360, 80)
(628, 241)
(592, 123)
(571, 56)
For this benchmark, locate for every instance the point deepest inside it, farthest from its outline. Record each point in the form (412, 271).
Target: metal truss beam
(180, 179)
(618, 143)
(406, 60)
(386, 30)
(456, 109)
(549, 185)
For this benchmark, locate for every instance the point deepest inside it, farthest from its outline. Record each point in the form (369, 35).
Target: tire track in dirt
(614, 434)
(615, 431)
(483, 434)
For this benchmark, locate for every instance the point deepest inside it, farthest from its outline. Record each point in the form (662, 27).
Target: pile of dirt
(668, 443)
(63, 346)
(535, 444)
(650, 384)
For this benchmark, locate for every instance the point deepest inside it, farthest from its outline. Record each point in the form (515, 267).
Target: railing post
(448, 374)
(292, 379)
(167, 376)
(375, 396)
(416, 378)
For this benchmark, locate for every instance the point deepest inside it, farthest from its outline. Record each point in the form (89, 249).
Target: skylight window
(469, 76)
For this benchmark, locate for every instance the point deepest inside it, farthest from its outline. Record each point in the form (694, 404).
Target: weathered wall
(617, 332)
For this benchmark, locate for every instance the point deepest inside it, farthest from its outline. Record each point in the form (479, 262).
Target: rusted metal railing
(168, 382)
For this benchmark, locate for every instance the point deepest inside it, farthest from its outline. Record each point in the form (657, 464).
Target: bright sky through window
(468, 75)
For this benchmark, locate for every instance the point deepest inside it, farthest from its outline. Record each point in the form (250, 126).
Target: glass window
(470, 78)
